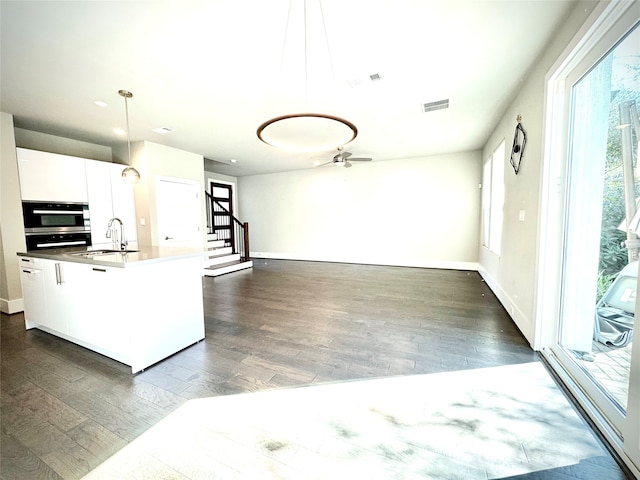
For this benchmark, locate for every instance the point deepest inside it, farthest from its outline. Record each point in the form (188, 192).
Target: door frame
(233, 186)
(228, 227)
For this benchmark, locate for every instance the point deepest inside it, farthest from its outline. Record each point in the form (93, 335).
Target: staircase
(227, 241)
(220, 258)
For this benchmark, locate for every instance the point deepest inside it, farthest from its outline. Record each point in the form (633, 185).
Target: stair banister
(239, 232)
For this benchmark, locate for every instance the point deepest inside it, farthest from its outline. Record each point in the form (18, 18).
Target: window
(493, 199)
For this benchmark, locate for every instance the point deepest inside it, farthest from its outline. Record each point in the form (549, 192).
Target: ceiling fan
(340, 159)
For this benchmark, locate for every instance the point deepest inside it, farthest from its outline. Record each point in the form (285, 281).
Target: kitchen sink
(96, 253)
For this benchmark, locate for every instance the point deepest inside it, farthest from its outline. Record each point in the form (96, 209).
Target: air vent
(357, 82)
(439, 105)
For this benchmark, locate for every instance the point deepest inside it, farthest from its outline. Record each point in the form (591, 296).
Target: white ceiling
(215, 70)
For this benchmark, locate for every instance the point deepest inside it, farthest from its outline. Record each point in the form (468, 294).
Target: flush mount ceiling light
(129, 174)
(307, 131)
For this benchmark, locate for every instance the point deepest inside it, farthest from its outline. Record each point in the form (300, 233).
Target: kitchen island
(137, 307)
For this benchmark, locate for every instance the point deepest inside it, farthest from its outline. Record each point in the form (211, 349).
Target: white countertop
(136, 256)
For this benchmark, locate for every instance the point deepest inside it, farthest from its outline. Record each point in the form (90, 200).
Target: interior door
(179, 212)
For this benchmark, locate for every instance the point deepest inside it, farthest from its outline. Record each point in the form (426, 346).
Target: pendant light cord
(130, 174)
(306, 43)
(127, 94)
(126, 110)
(306, 66)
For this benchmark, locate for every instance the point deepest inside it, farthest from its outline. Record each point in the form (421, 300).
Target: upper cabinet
(109, 196)
(51, 177)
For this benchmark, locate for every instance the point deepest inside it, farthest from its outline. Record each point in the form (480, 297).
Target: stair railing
(234, 232)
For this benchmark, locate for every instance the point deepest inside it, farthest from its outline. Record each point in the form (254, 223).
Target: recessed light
(233, 160)
(100, 103)
(119, 131)
(162, 130)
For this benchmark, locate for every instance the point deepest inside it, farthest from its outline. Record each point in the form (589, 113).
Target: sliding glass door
(597, 226)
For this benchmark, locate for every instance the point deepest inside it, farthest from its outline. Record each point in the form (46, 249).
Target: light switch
(521, 215)
(143, 222)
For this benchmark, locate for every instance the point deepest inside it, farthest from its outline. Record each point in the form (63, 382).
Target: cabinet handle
(100, 270)
(168, 238)
(59, 274)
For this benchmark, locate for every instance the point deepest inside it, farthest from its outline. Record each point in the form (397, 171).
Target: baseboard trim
(11, 306)
(437, 264)
(519, 318)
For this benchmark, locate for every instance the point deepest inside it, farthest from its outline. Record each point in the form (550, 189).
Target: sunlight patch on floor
(474, 424)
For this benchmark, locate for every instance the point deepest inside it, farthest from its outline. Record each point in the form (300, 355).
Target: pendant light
(307, 131)
(129, 175)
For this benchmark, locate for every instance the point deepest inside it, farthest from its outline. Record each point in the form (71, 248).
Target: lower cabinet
(60, 283)
(99, 318)
(79, 302)
(138, 315)
(33, 288)
(47, 295)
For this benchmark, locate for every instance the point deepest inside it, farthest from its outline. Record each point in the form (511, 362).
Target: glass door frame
(609, 23)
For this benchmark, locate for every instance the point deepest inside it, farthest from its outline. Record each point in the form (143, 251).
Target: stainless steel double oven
(56, 224)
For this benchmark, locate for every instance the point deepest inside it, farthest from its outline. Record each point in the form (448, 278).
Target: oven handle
(61, 244)
(57, 212)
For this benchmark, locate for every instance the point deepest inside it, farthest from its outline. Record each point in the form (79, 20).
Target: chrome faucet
(112, 233)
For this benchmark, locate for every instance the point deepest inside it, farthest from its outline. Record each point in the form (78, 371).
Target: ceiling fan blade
(346, 154)
(347, 164)
(325, 163)
(363, 159)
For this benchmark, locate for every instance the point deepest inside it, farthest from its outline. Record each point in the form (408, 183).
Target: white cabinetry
(50, 289)
(33, 288)
(78, 302)
(59, 286)
(99, 321)
(137, 315)
(51, 177)
(100, 205)
(109, 196)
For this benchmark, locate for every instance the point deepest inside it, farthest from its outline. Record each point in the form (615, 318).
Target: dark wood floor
(283, 323)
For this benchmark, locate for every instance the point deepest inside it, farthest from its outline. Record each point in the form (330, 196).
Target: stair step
(216, 252)
(215, 243)
(221, 259)
(228, 267)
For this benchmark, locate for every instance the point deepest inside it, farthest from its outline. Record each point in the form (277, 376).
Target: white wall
(64, 146)
(512, 275)
(421, 212)
(11, 223)
(152, 161)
